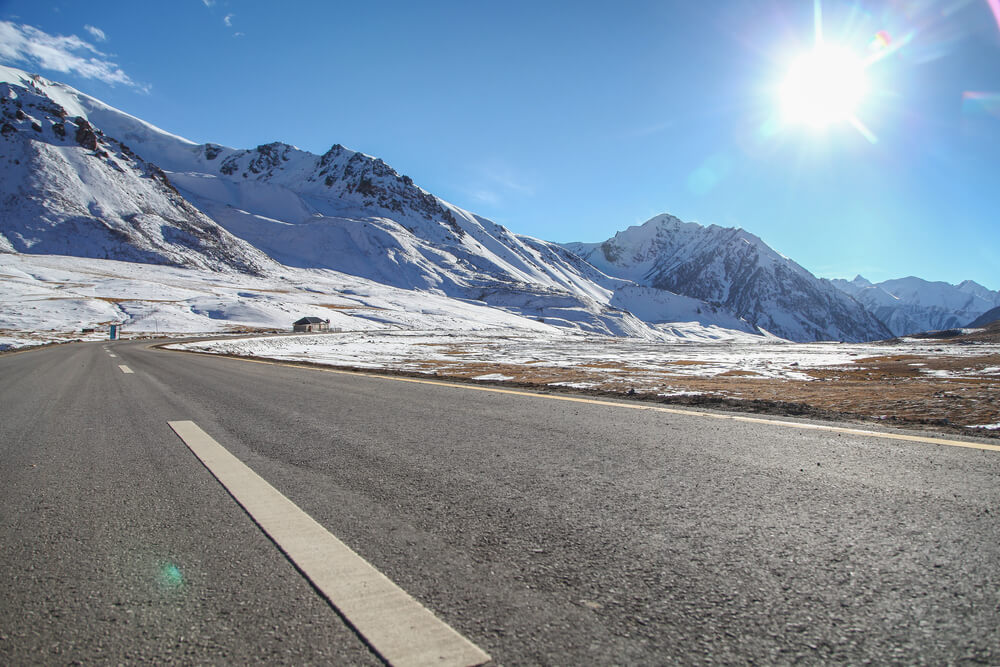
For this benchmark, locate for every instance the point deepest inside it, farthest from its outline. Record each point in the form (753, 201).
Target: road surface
(542, 530)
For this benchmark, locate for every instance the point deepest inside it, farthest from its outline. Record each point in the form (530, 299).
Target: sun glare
(823, 87)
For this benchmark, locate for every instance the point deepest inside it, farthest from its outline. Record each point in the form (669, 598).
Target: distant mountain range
(81, 178)
(913, 305)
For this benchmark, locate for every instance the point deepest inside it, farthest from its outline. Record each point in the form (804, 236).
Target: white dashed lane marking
(396, 626)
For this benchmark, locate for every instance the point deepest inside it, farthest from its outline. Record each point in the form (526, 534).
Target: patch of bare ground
(988, 334)
(242, 329)
(345, 306)
(111, 299)
(261, 290)
(945, 392)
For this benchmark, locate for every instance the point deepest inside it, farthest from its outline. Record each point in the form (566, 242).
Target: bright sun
(823, 87)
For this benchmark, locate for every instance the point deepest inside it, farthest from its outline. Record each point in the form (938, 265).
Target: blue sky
(569, 121)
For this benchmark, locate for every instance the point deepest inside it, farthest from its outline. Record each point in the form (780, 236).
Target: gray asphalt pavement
(547, 532)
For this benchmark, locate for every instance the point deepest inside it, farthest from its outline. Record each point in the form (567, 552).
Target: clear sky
(572, 120)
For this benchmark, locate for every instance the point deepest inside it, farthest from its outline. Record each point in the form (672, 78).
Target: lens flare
(823, 87)
(881, 41)
(170, 576)
(829, 85)
(995, 8)
(980, 103)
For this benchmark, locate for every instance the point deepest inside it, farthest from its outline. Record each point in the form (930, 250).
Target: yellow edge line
(629, 406)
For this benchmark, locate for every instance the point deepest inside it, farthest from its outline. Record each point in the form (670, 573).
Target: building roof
(311, 320)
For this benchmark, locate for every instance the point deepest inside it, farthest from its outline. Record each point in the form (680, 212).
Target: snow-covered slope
(735, 271)
(352, 213)
(159, 146)
(66, 188)
(40, 293)
(913, 305)
(325, 211)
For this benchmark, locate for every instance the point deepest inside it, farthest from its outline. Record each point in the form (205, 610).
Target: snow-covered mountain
(343, 211)
(913, 305)
(736, 271)
(66, 188)
(82, 178)
(352, 213)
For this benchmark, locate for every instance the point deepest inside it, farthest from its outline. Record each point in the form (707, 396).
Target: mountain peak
(68, 188)
(732, 269)
(913, 305)
(972, 286)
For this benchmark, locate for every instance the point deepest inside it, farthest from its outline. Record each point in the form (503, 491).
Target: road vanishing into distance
(531, 528)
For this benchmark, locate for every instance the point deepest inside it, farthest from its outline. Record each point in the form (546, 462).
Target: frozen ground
(910, 381)
(47, 298)
(430, 351)
(437, 351)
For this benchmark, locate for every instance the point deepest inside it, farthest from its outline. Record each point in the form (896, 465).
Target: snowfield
(437, 352)
(929, 384)
(45, 297)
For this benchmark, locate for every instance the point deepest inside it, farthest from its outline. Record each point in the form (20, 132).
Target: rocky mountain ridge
(342, 211)
(732, 269)
(67, 188)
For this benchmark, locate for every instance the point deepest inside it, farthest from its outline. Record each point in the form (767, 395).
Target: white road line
(125, 369)
(401, 630)
(115, 356)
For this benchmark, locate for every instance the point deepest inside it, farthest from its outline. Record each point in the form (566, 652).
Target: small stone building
(311, 324)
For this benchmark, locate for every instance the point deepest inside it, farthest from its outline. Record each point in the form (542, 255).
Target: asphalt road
(545, 531)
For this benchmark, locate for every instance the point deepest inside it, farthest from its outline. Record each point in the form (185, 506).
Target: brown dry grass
(889, 388)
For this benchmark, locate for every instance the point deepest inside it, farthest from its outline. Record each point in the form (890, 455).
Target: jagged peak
(274, 146)
(20, 96)
(972, 284)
